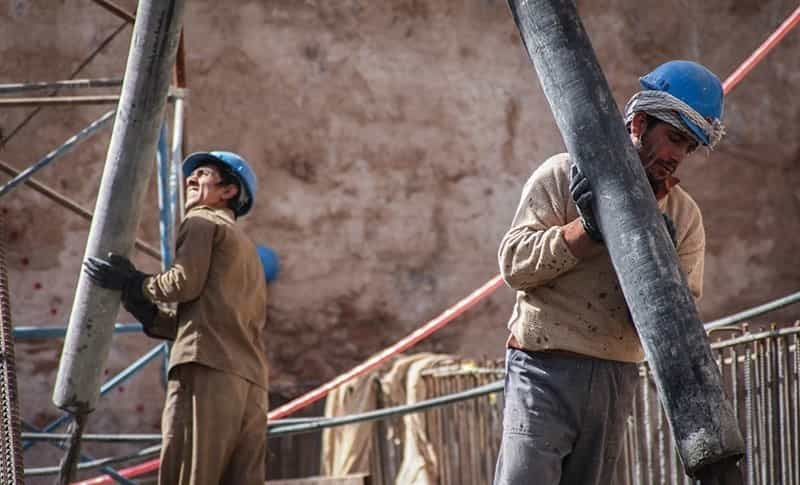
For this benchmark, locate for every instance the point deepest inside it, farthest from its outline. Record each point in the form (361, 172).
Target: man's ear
(230, 192)
(638, 124)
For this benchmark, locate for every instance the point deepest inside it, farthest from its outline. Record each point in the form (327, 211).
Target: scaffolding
(761, 367)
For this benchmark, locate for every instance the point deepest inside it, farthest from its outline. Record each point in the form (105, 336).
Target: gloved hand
(117, 273)
(671, 229)
(583, 197)
(114, 273)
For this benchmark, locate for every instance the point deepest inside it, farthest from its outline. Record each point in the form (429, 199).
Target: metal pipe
(109, 385)
(59, 100)
(754, 312)
(68, 84)
(165, 199)
(70, 204)
(116, 10)
(102, 438)
(125, 177)
(4, 141)
(640, 248)
(65, 148)
(41, 333)
(176, 180)
(68, 100)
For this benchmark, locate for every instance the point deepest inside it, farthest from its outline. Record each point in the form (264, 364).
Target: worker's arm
(542, 244)
(691, 248)
(185, 279)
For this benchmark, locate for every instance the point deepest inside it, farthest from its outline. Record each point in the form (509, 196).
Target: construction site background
(392, 140)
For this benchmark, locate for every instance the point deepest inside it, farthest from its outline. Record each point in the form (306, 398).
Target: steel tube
(59, 100)
(41, 333)
(125, 177)
(166, 208)
(68, 84)
(754, 312)
(116, 10)
(640, 248)
(65, 148)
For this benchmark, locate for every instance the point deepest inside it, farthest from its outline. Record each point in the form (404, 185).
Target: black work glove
(671, 229)
(114, 272)
(583, 197)
(117, 273)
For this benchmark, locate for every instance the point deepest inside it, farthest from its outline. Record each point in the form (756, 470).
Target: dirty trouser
(564, 418)
(214, 429)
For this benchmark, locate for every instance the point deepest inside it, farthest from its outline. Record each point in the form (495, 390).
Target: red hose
(762, 51)
(462, 306)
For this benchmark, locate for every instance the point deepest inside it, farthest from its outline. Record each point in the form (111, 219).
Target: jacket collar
(203, 210)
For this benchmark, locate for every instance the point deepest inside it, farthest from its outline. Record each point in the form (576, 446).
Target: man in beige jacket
(215, 416)
(571, 363)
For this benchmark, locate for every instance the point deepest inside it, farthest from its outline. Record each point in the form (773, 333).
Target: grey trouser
(564, 418)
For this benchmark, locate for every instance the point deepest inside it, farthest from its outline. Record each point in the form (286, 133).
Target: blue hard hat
(693, 84)
(236, 165)
(270, 262)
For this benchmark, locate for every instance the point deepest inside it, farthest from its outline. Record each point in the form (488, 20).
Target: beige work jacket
(218, 283)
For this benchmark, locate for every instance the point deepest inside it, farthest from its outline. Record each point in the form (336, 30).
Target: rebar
(11, 468)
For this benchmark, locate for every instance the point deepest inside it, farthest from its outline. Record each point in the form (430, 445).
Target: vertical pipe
(748, 416)
(176, 179)
(796, 405)
(643, 255)
(165, 199)
(125, 177)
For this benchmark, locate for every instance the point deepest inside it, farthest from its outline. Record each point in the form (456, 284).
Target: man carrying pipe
(215, 416)
(573, 353)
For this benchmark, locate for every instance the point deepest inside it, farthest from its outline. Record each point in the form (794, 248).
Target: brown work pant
(214, 429)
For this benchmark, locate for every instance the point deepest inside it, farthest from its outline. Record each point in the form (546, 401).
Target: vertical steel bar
(127, 171)
(763, 456)
(796, 406)
(648, 430)
(165, 199)
(770, 401)
(176, 178)
(748, 415)
(11, 466)
(785, 475)
(662, 455)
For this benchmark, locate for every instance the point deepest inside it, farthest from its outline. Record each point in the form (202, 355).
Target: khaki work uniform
(215, 416)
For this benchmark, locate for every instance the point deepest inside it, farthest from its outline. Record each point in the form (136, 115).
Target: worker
(215, 415)
(573, 352)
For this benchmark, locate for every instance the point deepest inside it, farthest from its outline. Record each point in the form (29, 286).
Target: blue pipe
(40, 333)
(65, 148)
(118, 379)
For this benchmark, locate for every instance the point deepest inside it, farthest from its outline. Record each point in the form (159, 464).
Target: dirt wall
(391, 140)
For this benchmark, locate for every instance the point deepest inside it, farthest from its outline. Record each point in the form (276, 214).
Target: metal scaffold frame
(168, 156)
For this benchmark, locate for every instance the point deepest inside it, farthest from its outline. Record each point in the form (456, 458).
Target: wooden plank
(360, 479)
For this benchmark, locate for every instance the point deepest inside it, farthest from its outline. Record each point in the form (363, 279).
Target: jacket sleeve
(691, 253)
(533, 251)
(164, 325)
(185, 279)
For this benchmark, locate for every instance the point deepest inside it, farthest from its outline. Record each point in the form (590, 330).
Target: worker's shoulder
(555, 167)
(204, 215)
(680, 200)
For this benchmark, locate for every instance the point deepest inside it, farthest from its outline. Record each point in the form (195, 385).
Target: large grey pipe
(129, 163)
(687, 378)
